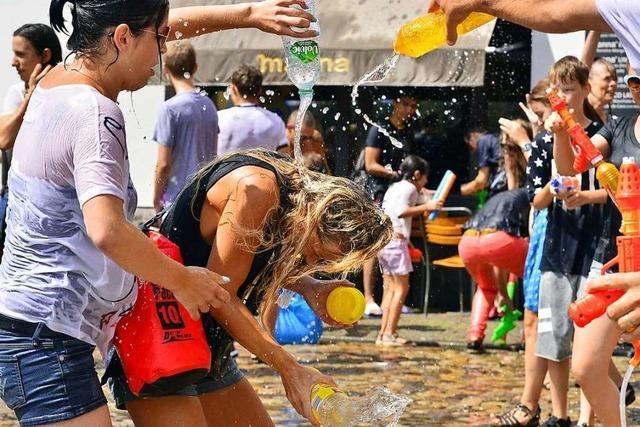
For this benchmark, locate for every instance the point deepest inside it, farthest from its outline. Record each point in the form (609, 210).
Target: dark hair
(411, 164)
(42, 37)
(180, 58)
(248, 80)
(91, 19)
(569, 69)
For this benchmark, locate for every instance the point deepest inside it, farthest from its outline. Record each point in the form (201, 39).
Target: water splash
(377, 75)
(306, 98)
(378, 407)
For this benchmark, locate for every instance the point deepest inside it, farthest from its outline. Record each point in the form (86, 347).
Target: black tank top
(182, 224)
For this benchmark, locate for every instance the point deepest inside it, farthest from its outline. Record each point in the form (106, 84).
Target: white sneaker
(372, 309)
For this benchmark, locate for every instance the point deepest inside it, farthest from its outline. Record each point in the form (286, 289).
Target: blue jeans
(47, 380)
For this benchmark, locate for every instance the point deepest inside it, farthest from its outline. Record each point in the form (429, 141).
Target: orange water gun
(595, 304)
(585, 152)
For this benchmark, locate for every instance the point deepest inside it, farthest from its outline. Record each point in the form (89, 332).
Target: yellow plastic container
(331, 407)
(345, 305)
(427, 33)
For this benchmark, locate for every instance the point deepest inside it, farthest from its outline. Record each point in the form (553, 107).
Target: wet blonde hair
(335, 209)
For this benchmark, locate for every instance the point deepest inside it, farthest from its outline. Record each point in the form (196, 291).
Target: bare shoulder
(250, 187)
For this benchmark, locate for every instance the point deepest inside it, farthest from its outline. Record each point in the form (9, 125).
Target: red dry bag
(161, 348)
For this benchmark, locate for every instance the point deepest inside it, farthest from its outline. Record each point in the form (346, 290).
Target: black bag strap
(149, 224)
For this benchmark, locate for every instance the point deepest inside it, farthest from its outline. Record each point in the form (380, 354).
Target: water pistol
(564, 184)
(443, 190)
(510, 317)
(585, 151)
(595, 304)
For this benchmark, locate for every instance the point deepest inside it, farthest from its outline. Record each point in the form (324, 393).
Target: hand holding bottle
(298, 383)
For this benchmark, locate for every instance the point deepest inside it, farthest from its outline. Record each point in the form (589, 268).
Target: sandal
(509, 419)
(400, 340)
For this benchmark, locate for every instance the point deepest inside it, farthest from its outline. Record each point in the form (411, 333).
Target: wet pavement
(448, 385)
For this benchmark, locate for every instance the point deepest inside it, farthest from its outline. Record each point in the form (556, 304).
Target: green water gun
(482, 197)
(510, 317)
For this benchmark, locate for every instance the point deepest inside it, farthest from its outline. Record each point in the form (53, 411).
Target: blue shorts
(230, 375)
(532, 265)
(48, 377)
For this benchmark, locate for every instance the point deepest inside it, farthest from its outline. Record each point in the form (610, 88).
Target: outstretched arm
(271, 16)
(549, 16)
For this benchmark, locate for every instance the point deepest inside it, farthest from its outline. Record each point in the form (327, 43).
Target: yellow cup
(345, 305)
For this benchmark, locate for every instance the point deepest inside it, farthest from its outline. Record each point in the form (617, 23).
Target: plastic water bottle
(302, 56)
(428, 32)
(331, 407)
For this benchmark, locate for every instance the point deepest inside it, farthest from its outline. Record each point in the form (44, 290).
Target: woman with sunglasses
(594, 344)
(71, 254)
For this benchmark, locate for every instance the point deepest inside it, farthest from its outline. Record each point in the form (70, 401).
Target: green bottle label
(306, 51)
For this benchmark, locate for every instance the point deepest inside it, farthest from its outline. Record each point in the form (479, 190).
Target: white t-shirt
(71, 148)
(623, 16)
(13, 98)
(400, 196)
(249, 126)
(12, 101)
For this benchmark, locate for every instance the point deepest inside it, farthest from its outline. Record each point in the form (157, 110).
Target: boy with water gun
(594, 344)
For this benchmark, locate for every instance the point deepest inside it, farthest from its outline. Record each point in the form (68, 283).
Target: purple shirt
(187, 123)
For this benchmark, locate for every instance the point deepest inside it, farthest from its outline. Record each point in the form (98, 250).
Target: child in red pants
(494, 239)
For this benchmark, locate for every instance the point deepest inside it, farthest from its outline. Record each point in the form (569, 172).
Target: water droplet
(186, 23)
(337, 117)
(187, 75)
(178, 35)
(204, 108)
(269, 92)
(325, 110)
(263, 99)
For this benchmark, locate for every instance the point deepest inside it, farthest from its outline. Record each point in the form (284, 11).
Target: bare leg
(171, 411)
(559, 375)
(236, 405)
(387, 296)
(401, 285)
(592, 349)
(98, 417)
(369, 278)
(535, 368)
(586, 413)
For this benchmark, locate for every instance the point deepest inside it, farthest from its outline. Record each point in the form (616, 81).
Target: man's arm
(372, 163)
(549, 16)
(10, 123)
(163, 169)
(480, 182)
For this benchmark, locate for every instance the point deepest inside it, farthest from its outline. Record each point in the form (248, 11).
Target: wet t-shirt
(507, 211)
(391, 155)
(572, 235)
(623, 16)
(71, 148)
(620, 135)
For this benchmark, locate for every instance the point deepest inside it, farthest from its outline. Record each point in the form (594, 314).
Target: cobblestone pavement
(448, 385)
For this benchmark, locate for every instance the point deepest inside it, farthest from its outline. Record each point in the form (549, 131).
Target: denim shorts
(46, 377)
(230, 375)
